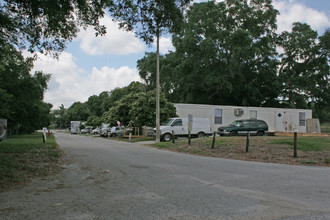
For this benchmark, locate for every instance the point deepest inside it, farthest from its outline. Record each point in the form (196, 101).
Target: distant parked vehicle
(115, 131)
(85, 131)
(179, 126)
(75, 127)
(96, 131)
(74, 131)
(104, 130)
(242, 127)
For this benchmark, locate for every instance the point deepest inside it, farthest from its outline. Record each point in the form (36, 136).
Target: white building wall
(278, 119)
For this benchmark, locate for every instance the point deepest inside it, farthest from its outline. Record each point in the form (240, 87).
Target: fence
(137, 132)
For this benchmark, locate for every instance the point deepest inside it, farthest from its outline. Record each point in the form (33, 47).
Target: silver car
(115, 131)
(104, 130)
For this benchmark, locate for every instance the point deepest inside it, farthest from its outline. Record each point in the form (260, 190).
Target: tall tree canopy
(143, 110)
(149, 18)
(139, 109)
(46, 25)
(78, 112)
(42, 26)
(304, 70)
(227, 53)
(168, 73)
(21, 93)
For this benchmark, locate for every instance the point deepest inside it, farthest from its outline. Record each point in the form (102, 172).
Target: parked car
(115, 131)
(96, 131)
(104, 130)
(242, 127)
(85, 131)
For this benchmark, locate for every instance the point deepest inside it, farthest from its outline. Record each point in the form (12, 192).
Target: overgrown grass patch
(25, 156)
(305, 161)
(313, 151)
(325, 127)
(307, 143)
(134, 140)
(197, 145)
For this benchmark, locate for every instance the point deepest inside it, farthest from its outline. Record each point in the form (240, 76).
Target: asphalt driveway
(116, 180)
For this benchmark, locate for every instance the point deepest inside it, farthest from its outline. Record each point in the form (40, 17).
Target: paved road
(116, 180)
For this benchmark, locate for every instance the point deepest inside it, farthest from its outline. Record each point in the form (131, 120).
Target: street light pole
(157, 93)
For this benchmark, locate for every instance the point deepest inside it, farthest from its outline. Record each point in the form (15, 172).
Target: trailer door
(279, 121)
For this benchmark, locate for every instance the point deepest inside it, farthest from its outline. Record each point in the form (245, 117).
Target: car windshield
(236, 123)
(168, 122)
(106, 126)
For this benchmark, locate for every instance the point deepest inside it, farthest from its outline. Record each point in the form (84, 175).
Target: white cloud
(70, 83)
(107, 78)
(293, 11)
(116, 41)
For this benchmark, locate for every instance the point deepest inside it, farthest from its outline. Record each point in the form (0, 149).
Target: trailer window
(218, 116)
(253, 114)
(302, 119)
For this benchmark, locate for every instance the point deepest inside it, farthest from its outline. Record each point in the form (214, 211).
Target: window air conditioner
(238, 111)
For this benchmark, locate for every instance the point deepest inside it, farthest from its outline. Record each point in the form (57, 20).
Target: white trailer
(278, 119)
(75, 127)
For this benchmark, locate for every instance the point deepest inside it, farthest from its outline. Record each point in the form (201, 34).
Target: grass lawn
(307, 143)
(325, 127)
(26, 156)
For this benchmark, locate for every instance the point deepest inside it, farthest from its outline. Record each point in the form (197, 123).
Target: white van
(179, 126)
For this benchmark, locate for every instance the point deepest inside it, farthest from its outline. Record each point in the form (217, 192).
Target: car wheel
(233, 133)
(167, 137)
(260, 133)
(201, 135)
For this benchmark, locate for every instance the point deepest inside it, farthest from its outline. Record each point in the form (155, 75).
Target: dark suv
(242, 127)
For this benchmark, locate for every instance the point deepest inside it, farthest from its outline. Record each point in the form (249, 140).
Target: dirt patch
(261, 149)
(32, 165)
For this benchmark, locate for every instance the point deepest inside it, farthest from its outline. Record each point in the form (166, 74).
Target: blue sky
(91, 65)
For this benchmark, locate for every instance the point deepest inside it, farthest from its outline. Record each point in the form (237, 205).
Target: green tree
(94, 121)
(78, 112)
(168, 73)
(120, 111)
(149, 18)
(304, 70)
(118, 93)
(59, 117)
(143, 110)
(139, 109)
(47, 25)
(94, 104)
(227, 53)
(42, 26)
(22, 92)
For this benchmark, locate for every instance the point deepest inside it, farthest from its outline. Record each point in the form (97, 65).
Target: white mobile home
(278, 119)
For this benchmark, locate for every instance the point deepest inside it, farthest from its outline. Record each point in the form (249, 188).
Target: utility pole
(157, 93)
